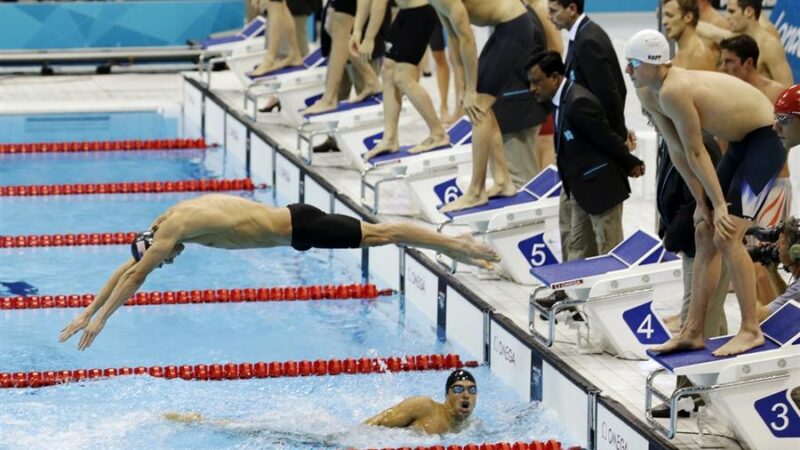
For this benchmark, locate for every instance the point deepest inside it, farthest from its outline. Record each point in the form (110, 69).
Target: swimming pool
(126, 412)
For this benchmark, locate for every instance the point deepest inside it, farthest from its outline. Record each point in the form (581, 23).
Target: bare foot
(467, 200)
(384, 146)
(430, 143)
(502, 190)
(742, 342)
(262, 69)
(680, 342)
(321, 106)
(368, 91)
(183, 417)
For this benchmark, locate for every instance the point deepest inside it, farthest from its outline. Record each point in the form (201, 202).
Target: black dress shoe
(550, 300)
(271, 108)
(326, 147)
(662, 412)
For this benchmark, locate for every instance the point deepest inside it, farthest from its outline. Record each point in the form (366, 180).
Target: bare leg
(706, 273)
(404, 79)
(391, 113)
(340, 24)
(740, 266)
(545, 151)
(372, 85)
(293, 56)
(486, 142)
(463, 248)
(443, 81)
(458, 83)
(279, 28)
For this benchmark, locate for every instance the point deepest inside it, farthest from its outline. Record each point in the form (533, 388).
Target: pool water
(127, 412)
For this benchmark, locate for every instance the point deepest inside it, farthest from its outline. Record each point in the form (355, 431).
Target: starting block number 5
(536, 251)
(642, 322)
(779, 415)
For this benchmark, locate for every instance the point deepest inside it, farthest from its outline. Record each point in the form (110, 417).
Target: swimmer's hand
(365, 49)
(91, 332)
(183, 417)
(471, 107)
(723, 222)
(355, 42)
(76, 325)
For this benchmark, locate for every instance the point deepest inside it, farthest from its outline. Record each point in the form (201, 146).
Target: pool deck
(623, 380)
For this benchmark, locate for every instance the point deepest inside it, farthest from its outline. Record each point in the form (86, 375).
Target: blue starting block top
(313, 59)
(253, 28)
(635, 250)
(372, 100)
(780, 329)
(458, 132)
(546, 183)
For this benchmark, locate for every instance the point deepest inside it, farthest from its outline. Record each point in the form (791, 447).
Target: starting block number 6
(779, 416)
(447, 191)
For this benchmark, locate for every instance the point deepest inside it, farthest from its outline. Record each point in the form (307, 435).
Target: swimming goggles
(459, 389)
(784, 119)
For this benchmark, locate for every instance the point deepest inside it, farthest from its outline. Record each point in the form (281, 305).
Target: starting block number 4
(779, 414)
(536, 251)
(447, 191)
(644, 325)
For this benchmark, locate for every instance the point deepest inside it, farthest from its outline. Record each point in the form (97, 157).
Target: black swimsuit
(313, 228)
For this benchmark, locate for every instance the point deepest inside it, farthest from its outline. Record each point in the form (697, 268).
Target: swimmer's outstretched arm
(402, 414)
(100, 299)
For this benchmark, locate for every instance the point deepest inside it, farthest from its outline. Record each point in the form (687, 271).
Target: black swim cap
(457, 375)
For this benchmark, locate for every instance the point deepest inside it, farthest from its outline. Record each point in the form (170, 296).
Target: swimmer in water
(418, 413)
(230, 222)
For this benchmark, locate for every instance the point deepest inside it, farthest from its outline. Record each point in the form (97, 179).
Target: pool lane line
(197, 296)
(67, 240)
(551, 444)
(243, 371)
(134, 187)
(102, 146)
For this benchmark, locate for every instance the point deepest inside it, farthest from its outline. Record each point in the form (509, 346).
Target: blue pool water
(89, 126)
(288, 413)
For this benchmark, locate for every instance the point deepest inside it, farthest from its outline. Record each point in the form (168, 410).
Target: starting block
(217, 49)
(430, 176)
(291, 82)
(749, 392)
(615, 291)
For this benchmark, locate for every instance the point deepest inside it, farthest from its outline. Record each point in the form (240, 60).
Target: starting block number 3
(642, 322)
(779, 415)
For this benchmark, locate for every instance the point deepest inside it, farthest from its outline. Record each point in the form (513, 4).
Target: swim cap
(648, 46)
(789, 101)
(141, 243)
(457, 375)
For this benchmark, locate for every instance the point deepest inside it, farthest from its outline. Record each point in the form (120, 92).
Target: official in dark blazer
(593, 161)
(591, 60)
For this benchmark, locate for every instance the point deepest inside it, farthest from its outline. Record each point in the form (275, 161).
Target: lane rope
(552, 444)
(236, 295)
(100, 146)
(136, 187)
(243, 371)
(66, 240)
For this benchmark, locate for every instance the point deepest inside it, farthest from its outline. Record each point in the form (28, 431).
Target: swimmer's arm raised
(403, 414)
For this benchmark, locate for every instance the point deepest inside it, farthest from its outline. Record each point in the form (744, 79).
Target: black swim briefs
(505, 54)
(748, 171)
(438, 42)
(344, 6)
(410, 33)
(313, 228)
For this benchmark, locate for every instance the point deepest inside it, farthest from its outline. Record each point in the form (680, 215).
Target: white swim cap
(648, 46)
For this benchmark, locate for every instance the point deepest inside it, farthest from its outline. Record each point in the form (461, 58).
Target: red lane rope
(535, 445)
(66, 240)
(241, 184)
(236, 295)
(100, 146)
(243, 371)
